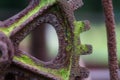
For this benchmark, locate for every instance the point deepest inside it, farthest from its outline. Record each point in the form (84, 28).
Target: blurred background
(92, 11)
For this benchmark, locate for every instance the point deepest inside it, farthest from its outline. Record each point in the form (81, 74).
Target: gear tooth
(86, 49)
(75, 4)
(81, 26)
(80, 73)
(87, 25)
(84, 72)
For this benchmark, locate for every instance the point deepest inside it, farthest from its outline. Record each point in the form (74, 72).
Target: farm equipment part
(16, 64)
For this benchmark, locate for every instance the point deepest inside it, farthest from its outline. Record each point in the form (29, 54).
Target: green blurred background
(98, 61)
(92, 11)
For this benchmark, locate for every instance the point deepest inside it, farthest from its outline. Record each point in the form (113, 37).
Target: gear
(60, 14)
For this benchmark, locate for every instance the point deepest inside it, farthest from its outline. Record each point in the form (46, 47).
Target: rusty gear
(60, 14)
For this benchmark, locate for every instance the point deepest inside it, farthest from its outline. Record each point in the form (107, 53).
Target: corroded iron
(65, 66)
(6, 52)
(111, 36)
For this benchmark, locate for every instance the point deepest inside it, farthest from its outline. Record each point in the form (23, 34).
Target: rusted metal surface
(6, 52)
(24, 66)
(110, 26)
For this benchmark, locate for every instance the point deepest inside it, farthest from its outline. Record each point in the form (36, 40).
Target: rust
(111, 36)
(75, 4)
(6, 52)
(60, 15)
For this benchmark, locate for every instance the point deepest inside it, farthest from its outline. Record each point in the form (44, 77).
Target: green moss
(84, 48)
(42, 4)
(63, 73)
(79, 28)
(69, 47)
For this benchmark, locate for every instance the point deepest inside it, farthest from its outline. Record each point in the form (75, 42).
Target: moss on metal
(63, 73)
(79, 28)
(71, 38)
(42, 4)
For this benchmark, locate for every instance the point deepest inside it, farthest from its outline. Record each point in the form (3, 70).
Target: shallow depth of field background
(92, 11)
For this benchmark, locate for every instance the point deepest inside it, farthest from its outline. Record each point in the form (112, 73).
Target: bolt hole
(10, 76)
(42, 43)
(45, 45)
